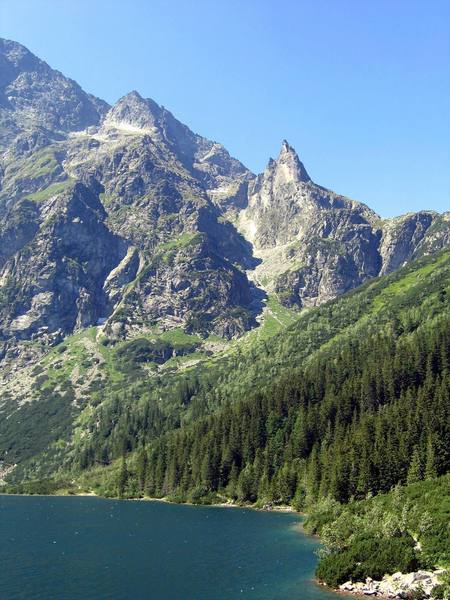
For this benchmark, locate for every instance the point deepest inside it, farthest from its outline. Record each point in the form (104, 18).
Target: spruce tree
(430, 464)
(123, 478)
(415, 468)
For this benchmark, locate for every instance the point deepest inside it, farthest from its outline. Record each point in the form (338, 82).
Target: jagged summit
(289, 162)
(15, 58)
(33, 96)
(132, 111)
(287, 168)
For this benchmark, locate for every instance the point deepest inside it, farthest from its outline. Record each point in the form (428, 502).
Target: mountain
(37, 103)
(175, 326)
(315, 245)
(133, 250)
(195, 239)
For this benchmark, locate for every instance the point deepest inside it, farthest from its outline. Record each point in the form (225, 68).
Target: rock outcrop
(37, 102)
(315, 245)
(53, 283)
(398, 585)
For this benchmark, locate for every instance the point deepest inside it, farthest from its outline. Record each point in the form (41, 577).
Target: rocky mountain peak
(161, 201)
(288, 167)
(15, 58)
(133, 112)
(222, 176)
(33, 96)
(283, 175)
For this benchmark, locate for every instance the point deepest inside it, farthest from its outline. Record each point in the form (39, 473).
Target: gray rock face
(150, 178)
(122, 216)
(35, 97)
(412, 235)
(205, 160)
(53, 284)
(190, 286)
(316, 245)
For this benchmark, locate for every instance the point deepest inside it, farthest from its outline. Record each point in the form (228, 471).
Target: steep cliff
(314, 244)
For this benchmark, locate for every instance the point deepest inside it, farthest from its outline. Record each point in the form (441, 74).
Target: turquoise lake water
(89, 548)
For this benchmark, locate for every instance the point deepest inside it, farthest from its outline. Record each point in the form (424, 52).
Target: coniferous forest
(366, 410)
(331, 416)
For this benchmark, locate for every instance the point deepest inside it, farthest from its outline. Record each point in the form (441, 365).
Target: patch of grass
(178, 337)
(50, 191)
(167, 250)
(274, 319)
(106, 199)
(285, 316)
(185, 239)
(39, 164)
(408, 282)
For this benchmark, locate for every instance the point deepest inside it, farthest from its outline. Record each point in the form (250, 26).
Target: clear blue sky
(361, 88)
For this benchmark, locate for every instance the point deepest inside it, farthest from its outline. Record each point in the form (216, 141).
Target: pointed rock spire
(289, 164)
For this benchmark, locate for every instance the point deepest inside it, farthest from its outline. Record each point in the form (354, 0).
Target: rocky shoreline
(398, 585)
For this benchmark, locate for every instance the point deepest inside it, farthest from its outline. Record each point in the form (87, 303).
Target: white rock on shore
(398, 585)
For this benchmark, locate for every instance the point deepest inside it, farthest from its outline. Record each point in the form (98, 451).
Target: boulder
(347, 586)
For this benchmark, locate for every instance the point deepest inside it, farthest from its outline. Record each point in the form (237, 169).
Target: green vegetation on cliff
(402, 530)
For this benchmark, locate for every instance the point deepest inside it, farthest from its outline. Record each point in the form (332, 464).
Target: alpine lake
(83, 548)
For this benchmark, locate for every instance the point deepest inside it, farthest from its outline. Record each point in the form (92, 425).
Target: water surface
(89, 548)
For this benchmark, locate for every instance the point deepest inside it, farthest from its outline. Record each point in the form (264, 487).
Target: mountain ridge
(183, 235)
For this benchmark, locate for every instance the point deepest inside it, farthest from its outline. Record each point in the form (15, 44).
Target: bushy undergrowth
(442, 590)
(380, 535)
(368, 557)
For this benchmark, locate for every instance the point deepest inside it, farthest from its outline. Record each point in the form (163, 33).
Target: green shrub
(418, 594)
(141, 351)
(442, 590)
(197, 494)
(368, 557)
(436, 546)
(200, 495)
(43, 487)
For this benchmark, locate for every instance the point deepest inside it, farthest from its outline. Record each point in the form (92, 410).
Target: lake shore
(284, 508)
(404, 584)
